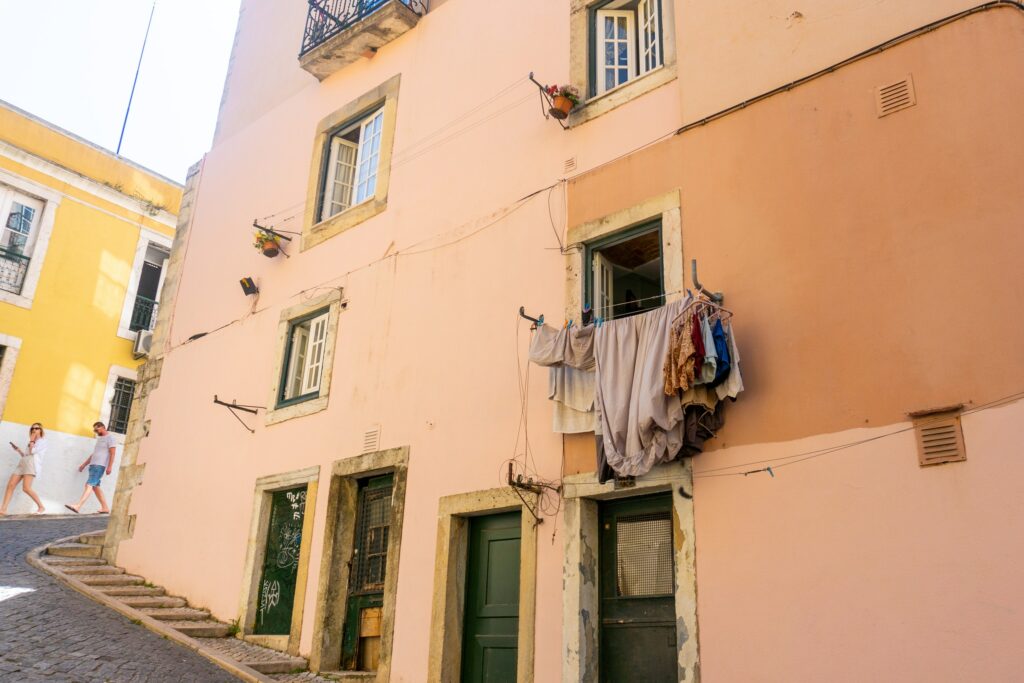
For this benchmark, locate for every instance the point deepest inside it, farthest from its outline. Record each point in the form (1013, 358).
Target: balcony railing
(143, 315)
(327, 18)
(13, 267)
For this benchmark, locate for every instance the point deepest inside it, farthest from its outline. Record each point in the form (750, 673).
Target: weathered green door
(281, 562)
(361, 636)
(638, 632)
(491, 629)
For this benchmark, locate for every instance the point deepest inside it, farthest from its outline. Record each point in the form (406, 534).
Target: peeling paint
(678, 537)
(682, 633)
(588, 567)
(590, 641)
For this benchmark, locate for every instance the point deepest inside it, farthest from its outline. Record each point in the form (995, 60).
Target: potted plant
(564, 98)
(268, 243)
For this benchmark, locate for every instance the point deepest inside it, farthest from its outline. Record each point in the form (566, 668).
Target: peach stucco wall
(809, 212)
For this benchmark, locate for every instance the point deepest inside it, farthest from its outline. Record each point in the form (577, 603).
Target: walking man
(102, 458)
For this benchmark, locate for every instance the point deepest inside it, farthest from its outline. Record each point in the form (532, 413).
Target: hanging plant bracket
(546, 102)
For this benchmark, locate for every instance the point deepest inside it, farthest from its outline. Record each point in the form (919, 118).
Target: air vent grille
(371, 439)
(570, 165)
(896, 96)
(939, 438)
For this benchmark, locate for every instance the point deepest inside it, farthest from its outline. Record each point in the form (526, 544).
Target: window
(121, 405)
(304, 358)
(147, 292)
(354, 155)
(21, 216)
(627, 42)
(625, 274)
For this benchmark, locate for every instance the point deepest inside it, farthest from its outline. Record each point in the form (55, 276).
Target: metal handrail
(13, 268)
(327, 18)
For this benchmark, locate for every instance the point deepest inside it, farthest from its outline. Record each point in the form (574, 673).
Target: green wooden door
(361, 636)
(280, 562)
(638, 632)
(491, 628)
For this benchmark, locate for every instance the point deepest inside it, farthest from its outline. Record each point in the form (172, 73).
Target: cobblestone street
(49, 632)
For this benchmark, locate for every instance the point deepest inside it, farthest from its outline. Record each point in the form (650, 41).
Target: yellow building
(84, 237)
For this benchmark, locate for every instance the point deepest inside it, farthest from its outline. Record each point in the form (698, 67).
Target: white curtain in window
(341, 177)
(614, 48)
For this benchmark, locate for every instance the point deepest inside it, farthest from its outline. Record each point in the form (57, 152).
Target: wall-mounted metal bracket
(546, 103)
(717, 297)
(234, 405)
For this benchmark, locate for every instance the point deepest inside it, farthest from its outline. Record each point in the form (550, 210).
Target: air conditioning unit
(143, 343)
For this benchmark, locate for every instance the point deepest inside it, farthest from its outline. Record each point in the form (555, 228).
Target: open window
(352, 160)
(626, 42)
(625, 274)
(304, 358)
(147, 292)
(21, 215)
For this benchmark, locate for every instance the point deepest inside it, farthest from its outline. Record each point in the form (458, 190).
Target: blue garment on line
(722, 351)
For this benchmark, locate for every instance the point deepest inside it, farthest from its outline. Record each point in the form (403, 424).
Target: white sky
(71, 62)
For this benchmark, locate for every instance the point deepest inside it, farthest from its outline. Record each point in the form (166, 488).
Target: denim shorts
(96, 474)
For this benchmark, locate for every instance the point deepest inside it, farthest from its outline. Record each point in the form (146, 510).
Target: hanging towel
(547, 347)
(640, 424)
(697, 335)
(572, 391)
(579, 347)
(733, 384)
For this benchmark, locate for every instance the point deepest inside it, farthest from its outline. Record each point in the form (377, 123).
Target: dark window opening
(625, 273)
(121, 405)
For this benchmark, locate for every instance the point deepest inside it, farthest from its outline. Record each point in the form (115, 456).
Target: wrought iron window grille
(121, 405)
(143, 314)
(13, 268)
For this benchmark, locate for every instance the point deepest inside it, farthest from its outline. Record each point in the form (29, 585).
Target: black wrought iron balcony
(143, 315)
(13, 267)
(338, 32)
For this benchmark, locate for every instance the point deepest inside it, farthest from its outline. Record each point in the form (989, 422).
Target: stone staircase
(80, 560)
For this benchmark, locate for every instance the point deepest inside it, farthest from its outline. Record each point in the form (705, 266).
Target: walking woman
(29, 463)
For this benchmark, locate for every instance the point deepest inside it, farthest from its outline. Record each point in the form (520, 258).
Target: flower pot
(562, 107)
(270, 248)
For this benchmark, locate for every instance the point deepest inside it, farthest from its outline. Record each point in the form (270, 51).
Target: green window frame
(610, 240)
(286, 364)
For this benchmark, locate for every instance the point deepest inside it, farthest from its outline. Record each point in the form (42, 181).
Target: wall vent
(570, 165)
(371, 439)
(939, 436)
(893, 97)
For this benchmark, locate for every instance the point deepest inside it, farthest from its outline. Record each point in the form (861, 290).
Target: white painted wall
(59, 481)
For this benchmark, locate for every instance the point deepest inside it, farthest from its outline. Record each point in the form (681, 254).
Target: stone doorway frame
(339, 542)
(446, 622)
(257, 546)
(580, 572)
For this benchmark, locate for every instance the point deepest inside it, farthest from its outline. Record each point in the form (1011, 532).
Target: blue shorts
(96, 474)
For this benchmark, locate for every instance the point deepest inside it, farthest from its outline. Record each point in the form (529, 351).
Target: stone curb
(231, 666)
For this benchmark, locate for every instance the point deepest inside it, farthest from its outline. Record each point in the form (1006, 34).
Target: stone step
(112, 580)
(74, 550)
(55, 561)
(150, 601)
(94, 570)
(200, 629)
(177, 614)
(131, 591)
(94, 538)
(262, 659)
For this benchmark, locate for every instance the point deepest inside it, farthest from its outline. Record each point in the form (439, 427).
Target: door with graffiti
(280, 562)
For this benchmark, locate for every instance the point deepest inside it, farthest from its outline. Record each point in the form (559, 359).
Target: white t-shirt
(101, 452)
(37, 450)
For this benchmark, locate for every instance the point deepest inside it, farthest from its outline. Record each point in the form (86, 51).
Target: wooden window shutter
(940, 438)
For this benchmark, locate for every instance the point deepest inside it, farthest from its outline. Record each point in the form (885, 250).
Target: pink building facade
(861, 217)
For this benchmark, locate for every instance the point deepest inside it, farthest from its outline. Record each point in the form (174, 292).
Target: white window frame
(40, 242)
(648, 14)
(600, 68)
(363, 170)
(147, 237)
(306, 358)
